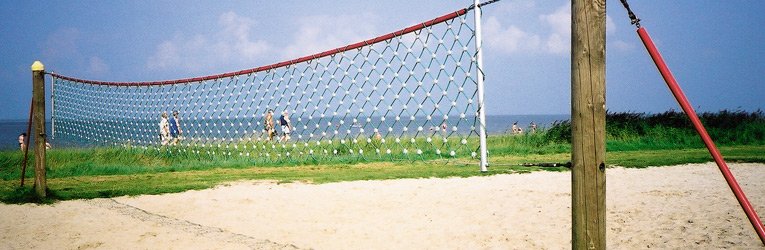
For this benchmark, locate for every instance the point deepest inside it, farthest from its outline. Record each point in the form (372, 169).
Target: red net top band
(357, 45)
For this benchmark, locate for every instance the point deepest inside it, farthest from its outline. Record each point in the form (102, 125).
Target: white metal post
(479, 74)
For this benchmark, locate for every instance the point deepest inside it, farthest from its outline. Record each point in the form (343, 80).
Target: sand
(661, 207)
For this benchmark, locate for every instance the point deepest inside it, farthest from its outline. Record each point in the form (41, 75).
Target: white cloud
(234, 40)
(560, 22)
(508, 40)
(165, 57)
(97, 66)
(621, 45)
(518, 6)
(236, 37)
(557, 44)
(322, 32)
(610, 25)
(61, 51)
(62, 43)
(552, 34)
(232, 43)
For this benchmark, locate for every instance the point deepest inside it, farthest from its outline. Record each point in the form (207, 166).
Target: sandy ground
(667, 207)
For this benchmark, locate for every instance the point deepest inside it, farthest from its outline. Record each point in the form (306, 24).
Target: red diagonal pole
(683, 101)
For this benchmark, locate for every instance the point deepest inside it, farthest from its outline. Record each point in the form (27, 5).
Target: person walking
(284, 121)
(164, 129)
(175, 128)
(268, 123)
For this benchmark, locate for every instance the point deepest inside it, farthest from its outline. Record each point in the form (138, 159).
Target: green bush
(672, 129)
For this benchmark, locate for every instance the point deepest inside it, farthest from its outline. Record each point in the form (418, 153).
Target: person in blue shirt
(175, 128)
(286, 124)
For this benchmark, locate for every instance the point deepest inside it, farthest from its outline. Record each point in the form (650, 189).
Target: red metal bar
(683, 101)
(26, 141)
(338, 50)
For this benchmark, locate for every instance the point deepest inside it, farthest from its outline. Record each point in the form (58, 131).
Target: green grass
(93, 186)
(633, 140)
(665, 157)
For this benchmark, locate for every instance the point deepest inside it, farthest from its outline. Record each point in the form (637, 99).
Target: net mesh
(410, 95)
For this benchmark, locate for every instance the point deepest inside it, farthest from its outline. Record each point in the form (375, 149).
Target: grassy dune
(633, 140)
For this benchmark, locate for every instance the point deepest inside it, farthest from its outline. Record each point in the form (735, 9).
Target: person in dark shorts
(284, 121)
(175, 128)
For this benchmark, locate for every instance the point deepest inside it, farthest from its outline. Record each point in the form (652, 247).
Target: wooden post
(588, 122)
(26, 141)
(38, 97)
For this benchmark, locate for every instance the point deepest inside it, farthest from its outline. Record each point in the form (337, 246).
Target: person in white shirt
(22, 140)
(164, 129)
(517, 129)
(286, 124)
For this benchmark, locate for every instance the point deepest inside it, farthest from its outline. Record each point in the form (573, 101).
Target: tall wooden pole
(38, 96)
(588, 123)
(26, 141)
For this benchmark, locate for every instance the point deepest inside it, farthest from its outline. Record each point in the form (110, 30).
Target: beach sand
(660, 207)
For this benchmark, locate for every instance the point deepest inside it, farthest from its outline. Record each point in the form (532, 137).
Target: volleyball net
(409, 94)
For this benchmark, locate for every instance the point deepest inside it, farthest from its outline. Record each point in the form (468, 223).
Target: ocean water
(495, 124)
(9, 133)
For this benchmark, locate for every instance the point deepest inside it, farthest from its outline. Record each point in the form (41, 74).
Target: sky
(714, 48)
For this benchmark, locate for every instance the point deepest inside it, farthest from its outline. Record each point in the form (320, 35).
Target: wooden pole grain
(26, 142)
(38, 119)
(588, 120)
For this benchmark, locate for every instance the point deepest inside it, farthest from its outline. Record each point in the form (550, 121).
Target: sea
(495, 124)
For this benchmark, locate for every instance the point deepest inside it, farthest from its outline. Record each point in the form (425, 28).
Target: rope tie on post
(472, 6)
(633, 19)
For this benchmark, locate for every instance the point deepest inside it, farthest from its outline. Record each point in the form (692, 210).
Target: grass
(633, 140)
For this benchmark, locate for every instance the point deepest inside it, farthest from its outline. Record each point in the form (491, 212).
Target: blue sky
(714, 48)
